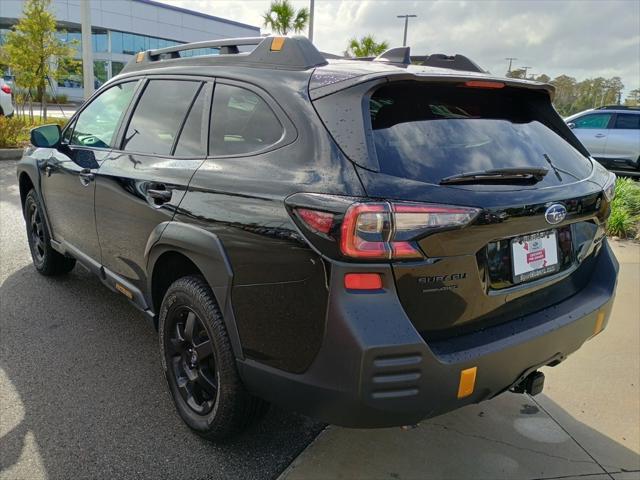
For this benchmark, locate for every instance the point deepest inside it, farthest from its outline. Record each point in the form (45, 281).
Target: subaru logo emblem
(555, 214)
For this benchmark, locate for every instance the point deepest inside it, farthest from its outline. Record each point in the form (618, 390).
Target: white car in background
(6, 100)
(611, 134)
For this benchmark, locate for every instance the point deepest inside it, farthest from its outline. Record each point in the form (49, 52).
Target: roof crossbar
(226, 42)
(290, 53)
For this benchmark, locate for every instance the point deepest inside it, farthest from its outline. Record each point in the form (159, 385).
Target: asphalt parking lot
(82, 396)
(81, 390)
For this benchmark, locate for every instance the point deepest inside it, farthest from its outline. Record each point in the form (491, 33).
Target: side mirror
(46, 136)
(571, 125)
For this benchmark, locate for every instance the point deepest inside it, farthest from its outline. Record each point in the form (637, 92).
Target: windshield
(428, 132)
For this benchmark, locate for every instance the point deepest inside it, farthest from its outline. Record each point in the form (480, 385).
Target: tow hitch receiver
(531, 384)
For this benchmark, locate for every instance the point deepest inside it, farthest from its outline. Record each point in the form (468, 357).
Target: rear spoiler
(327, 81)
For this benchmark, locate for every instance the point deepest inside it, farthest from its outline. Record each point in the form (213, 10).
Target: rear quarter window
(429, 132)
(241, 122)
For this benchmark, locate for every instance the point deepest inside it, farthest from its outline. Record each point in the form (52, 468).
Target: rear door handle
(159, 196)
(86, 177)
(600, 135)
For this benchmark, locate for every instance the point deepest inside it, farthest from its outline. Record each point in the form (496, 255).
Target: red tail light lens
(385, 230)
(363, 281)
(316, 220)
(6, 89)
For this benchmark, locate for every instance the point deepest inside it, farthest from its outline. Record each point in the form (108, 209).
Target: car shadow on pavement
(85, 396)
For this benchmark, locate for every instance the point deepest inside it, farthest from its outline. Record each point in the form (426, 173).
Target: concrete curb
(10, 153)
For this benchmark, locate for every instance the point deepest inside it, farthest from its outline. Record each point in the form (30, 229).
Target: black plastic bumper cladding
(375, 370)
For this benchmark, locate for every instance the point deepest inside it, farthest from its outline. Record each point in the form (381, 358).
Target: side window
(241, 122)
(594, 120)
(192, 140)
(158, 116)
(96, 125)
(627, 121)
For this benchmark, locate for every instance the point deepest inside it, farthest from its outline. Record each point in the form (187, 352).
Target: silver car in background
(611, 134)
(6, 100)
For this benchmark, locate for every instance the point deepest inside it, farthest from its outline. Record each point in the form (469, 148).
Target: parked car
(611, 134)
(6, 99)
(367, 242)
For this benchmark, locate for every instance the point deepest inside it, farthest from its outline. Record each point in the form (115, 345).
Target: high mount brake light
(386, 230)
(483, 84)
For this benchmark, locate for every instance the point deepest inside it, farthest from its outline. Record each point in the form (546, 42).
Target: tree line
(573, 96)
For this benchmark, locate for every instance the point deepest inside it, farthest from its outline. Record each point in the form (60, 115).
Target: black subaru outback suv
(367, 242)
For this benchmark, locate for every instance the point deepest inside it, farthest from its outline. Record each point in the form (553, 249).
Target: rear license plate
(534, 256)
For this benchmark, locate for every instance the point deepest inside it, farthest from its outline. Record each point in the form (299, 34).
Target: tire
(199, 364)
(46, 260)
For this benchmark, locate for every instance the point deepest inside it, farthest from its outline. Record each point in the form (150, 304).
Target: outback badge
(555, 214)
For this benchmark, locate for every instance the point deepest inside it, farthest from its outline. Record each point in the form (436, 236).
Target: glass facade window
(116, 68)
(116, 42)
(131, 43)
(199, 52)
(74, 76)
(100, 42)
(100, 73)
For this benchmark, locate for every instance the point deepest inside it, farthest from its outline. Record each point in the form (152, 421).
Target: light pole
(87, 50)
(406, 25)
(525, 71)
(311, 5)
(511, 59)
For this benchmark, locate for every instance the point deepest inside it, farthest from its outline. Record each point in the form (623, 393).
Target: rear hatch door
(529, 246)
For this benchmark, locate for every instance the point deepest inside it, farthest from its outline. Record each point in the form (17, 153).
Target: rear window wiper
(498, 175)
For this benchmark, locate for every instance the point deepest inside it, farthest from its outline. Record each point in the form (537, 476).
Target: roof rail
(291, 53)
(618, 107)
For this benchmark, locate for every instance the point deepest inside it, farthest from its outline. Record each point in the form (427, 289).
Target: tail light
(377, 230)
(6, 89)
(610, 187)
(316, 220)
(385, 231)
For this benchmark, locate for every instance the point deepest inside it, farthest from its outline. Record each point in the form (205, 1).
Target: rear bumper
(375, 370)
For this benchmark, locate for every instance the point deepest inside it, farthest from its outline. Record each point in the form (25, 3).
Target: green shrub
(14, 131)
(624, 221)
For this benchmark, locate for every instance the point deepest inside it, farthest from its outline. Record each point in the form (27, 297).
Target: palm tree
(282, 17)
(366, 47)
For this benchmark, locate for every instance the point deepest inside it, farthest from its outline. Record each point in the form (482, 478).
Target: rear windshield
(429, 132)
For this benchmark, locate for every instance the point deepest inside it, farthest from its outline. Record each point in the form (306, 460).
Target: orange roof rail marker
(277, 43)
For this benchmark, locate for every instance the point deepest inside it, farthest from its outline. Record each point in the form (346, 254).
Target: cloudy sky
(581, 38)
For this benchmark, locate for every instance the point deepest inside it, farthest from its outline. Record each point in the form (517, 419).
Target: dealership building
(121, 28)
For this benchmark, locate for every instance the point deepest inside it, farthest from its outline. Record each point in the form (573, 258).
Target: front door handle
(159, 196)
(86, 177)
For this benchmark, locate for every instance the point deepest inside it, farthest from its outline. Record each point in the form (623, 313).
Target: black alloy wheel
(36, 232)
(191, 360)
(46, 260)
(199, 363)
